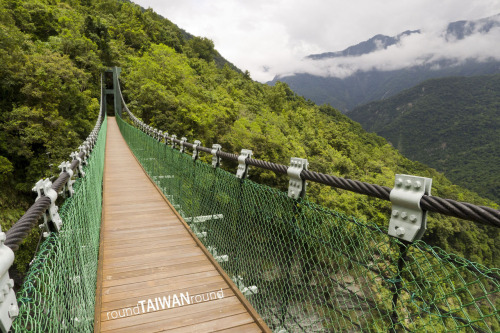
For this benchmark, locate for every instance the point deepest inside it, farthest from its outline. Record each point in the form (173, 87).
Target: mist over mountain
(383, 65)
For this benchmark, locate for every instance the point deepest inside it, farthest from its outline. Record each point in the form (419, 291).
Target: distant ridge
(451, 124)
(366, 86)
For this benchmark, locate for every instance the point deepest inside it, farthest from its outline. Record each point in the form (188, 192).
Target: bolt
(399, 181)
(418, 184)
(395, 213)
(413, 218)
(400, 231)
(408, 183)
(404, 215)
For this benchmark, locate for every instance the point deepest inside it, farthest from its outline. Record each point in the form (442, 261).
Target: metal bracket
(8, 302)
(66, 167)
(86, 152)
(183, 140)
(165, 137)
(203, 218)
(75, 156)
(216, 159)
(408, 220)
(52, 215)
(242, 171)
(246, 291)
(297, 186)
(217, 257)
(174, 137)
(195, 149)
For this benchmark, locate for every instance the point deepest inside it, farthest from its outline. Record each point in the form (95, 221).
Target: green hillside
(451, 124)
(51, 56)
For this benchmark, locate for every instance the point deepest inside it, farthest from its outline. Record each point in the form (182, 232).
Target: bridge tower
(111, 93)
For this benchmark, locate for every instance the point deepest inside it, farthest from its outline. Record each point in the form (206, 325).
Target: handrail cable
(464, 210)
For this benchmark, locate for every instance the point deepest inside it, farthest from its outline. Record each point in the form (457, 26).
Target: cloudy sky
(272, 37)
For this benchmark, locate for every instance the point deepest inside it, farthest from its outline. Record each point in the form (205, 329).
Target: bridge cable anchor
(216, 159)
(408, 220)
(51, 218)
(196, 153)
(297, 186)
(68, 187)
(9, 309)
(242, 171)
(183, 140)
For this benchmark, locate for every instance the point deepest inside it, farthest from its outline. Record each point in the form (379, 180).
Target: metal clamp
(76, 156)
(174, 137)
(195, 149)
(66, 167)
(297, 186)
(8, 302)
(242, 171)
(165, 137)
(216, 159)
(183, 140)
(217, 257)
(408, 220)
(52, 220)
(247, 291)
(85, 151)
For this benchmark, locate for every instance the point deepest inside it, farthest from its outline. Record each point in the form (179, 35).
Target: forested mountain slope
(451, 124)
(51, 56)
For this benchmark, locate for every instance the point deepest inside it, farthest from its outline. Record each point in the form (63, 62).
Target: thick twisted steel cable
(484, 215)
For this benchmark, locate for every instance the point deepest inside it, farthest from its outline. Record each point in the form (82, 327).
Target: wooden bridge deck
(154, 275)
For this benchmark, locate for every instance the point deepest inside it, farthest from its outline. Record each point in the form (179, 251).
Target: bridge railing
(58, 292)
(306, 268)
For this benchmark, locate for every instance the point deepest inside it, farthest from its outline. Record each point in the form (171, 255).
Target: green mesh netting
(58, 293)
(306, 268)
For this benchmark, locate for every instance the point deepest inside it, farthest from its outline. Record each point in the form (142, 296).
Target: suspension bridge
(152, 238)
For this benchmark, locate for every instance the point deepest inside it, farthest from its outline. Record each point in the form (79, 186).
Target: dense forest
(52, 53)
(455, 128)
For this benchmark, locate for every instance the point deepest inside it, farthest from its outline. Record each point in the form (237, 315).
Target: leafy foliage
(455, 128)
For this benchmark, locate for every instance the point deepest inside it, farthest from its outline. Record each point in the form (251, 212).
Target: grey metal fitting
(242, 171)
(85, 151)
(195, 149)
(8, 302)
(215, 159)
(174, 137)
(165, 137)
(75, 156)
(182, 149)
(297, 185)
(408, 220)
(52, 216)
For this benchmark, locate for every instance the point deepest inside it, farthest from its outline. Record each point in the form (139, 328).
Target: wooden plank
(149, 253)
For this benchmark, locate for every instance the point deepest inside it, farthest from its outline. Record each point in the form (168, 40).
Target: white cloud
(276, 35)
(425, 48)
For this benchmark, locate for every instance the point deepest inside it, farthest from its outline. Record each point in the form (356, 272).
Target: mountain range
(373, 81)
(451, 124)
